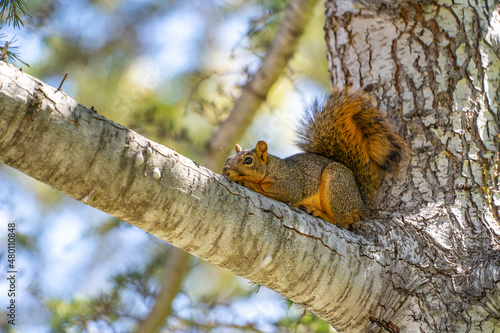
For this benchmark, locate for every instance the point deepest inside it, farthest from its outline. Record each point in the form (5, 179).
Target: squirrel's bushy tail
(347, 128)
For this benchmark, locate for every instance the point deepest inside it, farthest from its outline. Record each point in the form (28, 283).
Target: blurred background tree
(171, 71)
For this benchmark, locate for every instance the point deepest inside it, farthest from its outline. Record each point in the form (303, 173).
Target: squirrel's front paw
(317, 213)
(308, 210)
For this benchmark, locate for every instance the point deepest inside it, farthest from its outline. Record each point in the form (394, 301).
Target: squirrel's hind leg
(340, 196)
(337, 200)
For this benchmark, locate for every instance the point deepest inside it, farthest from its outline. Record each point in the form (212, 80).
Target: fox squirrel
(348, 147)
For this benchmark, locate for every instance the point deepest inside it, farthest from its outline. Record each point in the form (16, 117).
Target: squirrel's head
(247, 165)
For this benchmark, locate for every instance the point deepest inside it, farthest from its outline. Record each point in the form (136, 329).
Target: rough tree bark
(428, 260)
(434, 68)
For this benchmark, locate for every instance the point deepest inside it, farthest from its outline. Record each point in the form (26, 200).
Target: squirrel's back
(347, 128)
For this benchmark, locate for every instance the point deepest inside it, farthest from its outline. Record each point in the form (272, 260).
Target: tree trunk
(434, 68)
(429, 258)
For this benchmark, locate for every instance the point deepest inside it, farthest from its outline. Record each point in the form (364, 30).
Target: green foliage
(75, 315)
(107, 226)
(12, 10)
(254, 287)
(9, 51)
(112, 305)
(263, 29)
(305, 323)
(24, 241)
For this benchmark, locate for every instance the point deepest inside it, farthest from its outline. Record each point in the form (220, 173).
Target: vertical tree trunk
(434, 68)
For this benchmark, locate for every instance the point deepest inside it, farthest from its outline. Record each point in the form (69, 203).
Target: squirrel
(347, 147)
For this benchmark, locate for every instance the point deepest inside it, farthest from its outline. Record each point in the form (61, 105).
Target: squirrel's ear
(261, 151)
(238, 148)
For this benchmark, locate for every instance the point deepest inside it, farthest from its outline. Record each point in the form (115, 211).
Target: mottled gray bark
(434, 68)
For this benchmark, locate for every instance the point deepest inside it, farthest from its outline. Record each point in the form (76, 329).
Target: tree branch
(255, 91)
(173, 276)
(80, 153)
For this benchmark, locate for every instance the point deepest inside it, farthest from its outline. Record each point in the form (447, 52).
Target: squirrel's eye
(248, 160)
